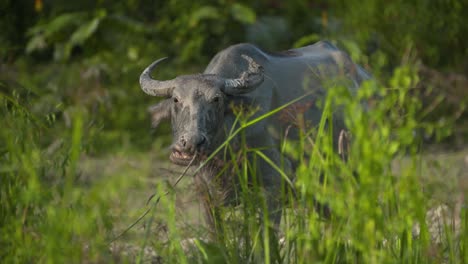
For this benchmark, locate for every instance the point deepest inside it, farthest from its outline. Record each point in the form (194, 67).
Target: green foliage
(39, 192)
(435, 30)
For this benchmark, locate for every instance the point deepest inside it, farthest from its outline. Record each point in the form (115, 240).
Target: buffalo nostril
(201, 141)
(183, 142)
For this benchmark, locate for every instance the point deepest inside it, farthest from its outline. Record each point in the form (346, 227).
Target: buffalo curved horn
(154, 87)
(248, 80)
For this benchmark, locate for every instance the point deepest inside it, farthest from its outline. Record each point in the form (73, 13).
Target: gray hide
(198, 106)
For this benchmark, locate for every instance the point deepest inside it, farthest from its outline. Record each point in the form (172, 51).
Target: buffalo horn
(154, 87)
(248, 80)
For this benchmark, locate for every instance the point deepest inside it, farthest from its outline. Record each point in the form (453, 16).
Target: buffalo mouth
(181, 158)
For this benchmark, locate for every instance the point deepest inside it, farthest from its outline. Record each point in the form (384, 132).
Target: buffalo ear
(159, 112)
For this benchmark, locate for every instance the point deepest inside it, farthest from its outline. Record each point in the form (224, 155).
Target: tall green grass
(47, 213)
(50, 213)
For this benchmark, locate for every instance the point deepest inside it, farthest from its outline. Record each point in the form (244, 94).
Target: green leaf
(126, 23)
(84, 32)
(243, 13)
(353, 49)
(204, 12)
(306, 40)
(44, 34)
(36, 43)
(62, 51)
(57, 24)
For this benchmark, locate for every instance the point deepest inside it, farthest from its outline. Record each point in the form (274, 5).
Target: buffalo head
(196, 105)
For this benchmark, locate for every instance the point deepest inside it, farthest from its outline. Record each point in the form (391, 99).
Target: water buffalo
(198, 106)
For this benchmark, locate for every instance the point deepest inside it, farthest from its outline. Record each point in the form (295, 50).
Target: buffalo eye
(216, 99)
(175, 100)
